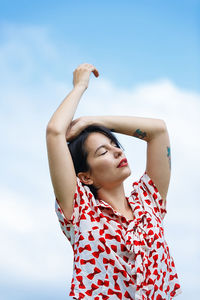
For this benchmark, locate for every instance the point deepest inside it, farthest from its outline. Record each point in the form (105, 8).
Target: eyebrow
(102, 146)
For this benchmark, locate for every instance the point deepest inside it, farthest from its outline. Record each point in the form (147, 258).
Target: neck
(115, 197)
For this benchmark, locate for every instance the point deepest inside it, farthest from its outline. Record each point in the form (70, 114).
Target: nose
(117, 151)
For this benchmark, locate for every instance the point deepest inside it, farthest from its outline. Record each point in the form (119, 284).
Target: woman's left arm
(153, 131)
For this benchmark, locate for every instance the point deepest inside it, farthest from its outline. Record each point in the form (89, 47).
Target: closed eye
(115, 145)
(107, 151)
(103, 153)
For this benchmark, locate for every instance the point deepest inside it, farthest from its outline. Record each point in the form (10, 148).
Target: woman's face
(103, 158)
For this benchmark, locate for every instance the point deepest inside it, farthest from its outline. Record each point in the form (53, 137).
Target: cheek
(103, 165)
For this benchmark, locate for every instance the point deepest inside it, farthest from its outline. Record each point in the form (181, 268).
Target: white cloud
(13, 215)
(28, 232)
(27, 217)
(22, 50)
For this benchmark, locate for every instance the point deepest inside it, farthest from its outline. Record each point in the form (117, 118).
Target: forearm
(64, 114)
(143, 128)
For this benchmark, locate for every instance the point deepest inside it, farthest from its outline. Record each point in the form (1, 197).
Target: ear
(84, 177)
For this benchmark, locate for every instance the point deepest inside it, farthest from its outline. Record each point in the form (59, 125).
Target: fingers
(90, 67)
(69, 135)
(73, 129)
(95, 72)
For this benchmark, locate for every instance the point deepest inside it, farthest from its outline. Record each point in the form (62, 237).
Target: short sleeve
(150, 188)
(81, 200)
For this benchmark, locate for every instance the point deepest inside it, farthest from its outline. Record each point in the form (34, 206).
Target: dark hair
(79, 153)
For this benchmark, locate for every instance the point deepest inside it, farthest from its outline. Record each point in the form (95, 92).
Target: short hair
(79, 154)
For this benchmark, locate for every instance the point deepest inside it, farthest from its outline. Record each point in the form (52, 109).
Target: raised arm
(153, 131)
(61, 166)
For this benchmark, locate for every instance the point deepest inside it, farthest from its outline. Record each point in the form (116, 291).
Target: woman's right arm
(61, 166)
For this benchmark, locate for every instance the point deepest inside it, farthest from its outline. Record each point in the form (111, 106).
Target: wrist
(90, 120)
(97, 120)
(80, 87)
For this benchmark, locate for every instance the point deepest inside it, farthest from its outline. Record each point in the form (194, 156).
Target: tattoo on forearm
(139, 134)
(169, 156)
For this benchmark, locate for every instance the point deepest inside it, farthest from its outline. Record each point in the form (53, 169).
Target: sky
(147, 55)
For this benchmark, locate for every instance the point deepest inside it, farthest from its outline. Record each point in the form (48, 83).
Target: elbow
(52, 130)
(159, 127)
(163, 126)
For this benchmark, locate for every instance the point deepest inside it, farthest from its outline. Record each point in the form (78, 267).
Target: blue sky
(147, 54)
(143, 40)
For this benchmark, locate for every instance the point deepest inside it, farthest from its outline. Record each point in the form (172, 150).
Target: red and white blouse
(116, 258)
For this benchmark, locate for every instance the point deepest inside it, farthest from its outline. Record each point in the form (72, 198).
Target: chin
(127, 174)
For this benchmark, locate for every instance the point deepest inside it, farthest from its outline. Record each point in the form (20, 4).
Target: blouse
(116, 258)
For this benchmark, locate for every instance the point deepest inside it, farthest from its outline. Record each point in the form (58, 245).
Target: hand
(77, 126)
(82, 73)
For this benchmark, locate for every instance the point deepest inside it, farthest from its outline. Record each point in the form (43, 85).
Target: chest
(128, 214)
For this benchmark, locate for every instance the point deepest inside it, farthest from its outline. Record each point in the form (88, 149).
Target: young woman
(118, 242)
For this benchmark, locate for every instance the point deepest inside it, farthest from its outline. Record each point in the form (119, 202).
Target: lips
(123, 161)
